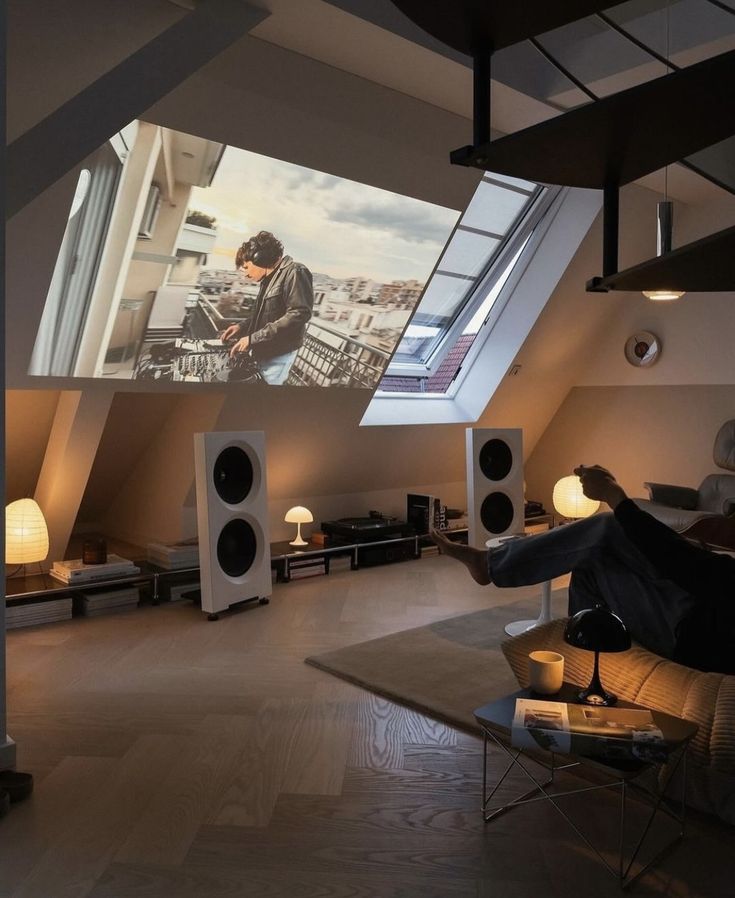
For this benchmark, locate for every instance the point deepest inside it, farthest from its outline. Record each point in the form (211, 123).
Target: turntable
(365, 530)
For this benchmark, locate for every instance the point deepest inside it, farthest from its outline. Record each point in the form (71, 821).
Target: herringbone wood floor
(177, 757)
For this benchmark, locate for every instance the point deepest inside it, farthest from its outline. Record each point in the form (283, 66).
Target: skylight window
(469, 278)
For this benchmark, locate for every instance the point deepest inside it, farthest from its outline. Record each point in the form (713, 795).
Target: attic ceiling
(374, 40)
(371, 39)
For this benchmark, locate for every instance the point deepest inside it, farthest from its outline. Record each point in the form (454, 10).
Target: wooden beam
(38, 158)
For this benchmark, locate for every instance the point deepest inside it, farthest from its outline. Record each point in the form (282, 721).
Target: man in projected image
(275, 332)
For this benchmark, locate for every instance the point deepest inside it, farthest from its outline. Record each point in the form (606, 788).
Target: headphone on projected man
(264, 250)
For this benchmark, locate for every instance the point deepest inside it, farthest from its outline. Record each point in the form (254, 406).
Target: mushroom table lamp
(597, 630)
(26, 534)
(298, 515)
(569, 500)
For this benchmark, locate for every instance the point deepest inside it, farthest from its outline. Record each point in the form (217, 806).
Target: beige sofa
(639, 676)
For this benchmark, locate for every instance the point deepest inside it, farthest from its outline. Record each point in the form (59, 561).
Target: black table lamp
(597, 630)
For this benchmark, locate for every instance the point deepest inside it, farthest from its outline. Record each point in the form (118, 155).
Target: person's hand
(229, 333)
(242, 345)
(599, 483)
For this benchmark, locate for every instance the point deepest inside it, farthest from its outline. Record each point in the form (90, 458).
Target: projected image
(190, 261)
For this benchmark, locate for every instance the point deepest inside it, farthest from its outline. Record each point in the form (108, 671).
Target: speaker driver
(496, 512)
(496, 459)
(233, 475)
(236, 548)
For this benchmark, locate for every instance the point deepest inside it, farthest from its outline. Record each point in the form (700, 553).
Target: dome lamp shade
(597, 630)
(298, 515)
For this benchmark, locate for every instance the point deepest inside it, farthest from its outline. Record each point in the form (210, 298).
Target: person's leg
(559, 551)
(543, 556)
(475, 560)
(275, 370)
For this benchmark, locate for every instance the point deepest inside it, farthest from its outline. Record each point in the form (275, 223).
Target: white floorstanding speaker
(494, 483)
(232, 518)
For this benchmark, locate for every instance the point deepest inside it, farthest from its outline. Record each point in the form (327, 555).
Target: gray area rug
(445, 669)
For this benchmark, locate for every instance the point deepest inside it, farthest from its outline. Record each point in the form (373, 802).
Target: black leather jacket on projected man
(282, 310)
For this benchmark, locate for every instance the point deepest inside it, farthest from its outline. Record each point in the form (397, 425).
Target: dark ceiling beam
(703, 266)
(48, 150)
(621, 137)
(472, 25)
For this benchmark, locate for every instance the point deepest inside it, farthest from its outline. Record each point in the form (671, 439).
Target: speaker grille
(233, 475)
(496, 512)
(236, 548)
(496, 459)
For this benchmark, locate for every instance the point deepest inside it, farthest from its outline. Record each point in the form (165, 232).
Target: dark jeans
(606, 567)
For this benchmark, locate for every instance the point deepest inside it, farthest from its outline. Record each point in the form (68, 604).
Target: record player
(365, 530)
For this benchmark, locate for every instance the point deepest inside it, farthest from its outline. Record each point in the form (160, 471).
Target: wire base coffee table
(495, 720)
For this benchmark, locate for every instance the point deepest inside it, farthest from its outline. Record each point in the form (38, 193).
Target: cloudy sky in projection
(334, 226)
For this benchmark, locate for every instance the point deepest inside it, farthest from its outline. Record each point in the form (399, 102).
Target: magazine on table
(609, 734)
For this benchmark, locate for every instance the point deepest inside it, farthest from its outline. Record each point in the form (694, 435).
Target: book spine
(103, 571)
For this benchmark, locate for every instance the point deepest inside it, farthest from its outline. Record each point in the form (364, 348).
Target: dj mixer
(196, 361)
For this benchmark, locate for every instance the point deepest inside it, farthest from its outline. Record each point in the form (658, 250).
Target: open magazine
(608, 734)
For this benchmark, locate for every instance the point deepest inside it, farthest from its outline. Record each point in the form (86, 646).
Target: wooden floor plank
(181, 758)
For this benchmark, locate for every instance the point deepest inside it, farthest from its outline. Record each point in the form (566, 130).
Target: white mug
(545, 672)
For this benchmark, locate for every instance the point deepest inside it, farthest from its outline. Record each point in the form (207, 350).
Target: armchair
(706, 513)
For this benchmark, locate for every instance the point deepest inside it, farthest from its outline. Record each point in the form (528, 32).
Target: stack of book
(306, 567)
(74, 571)
(37, 613)
(173, 556)
(94, 603)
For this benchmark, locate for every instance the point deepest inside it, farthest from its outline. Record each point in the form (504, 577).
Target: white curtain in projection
(76, 267)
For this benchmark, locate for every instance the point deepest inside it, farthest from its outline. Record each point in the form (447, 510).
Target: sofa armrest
(673, 496)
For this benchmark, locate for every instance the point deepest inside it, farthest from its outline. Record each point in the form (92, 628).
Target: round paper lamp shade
(26, 534)
(298, 515)
(570, 501)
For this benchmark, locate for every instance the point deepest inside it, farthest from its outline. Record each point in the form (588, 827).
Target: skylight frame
(540, 199)
(524, 243)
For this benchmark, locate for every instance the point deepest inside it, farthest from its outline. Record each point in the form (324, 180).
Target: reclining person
(677, 599)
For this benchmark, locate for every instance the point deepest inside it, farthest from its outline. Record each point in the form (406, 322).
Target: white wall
(318, 116)
(659, 433)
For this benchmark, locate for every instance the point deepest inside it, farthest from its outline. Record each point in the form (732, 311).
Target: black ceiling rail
(703, 266)
(560, 68)
(722, 6)
(466, 25)
(620, 137)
